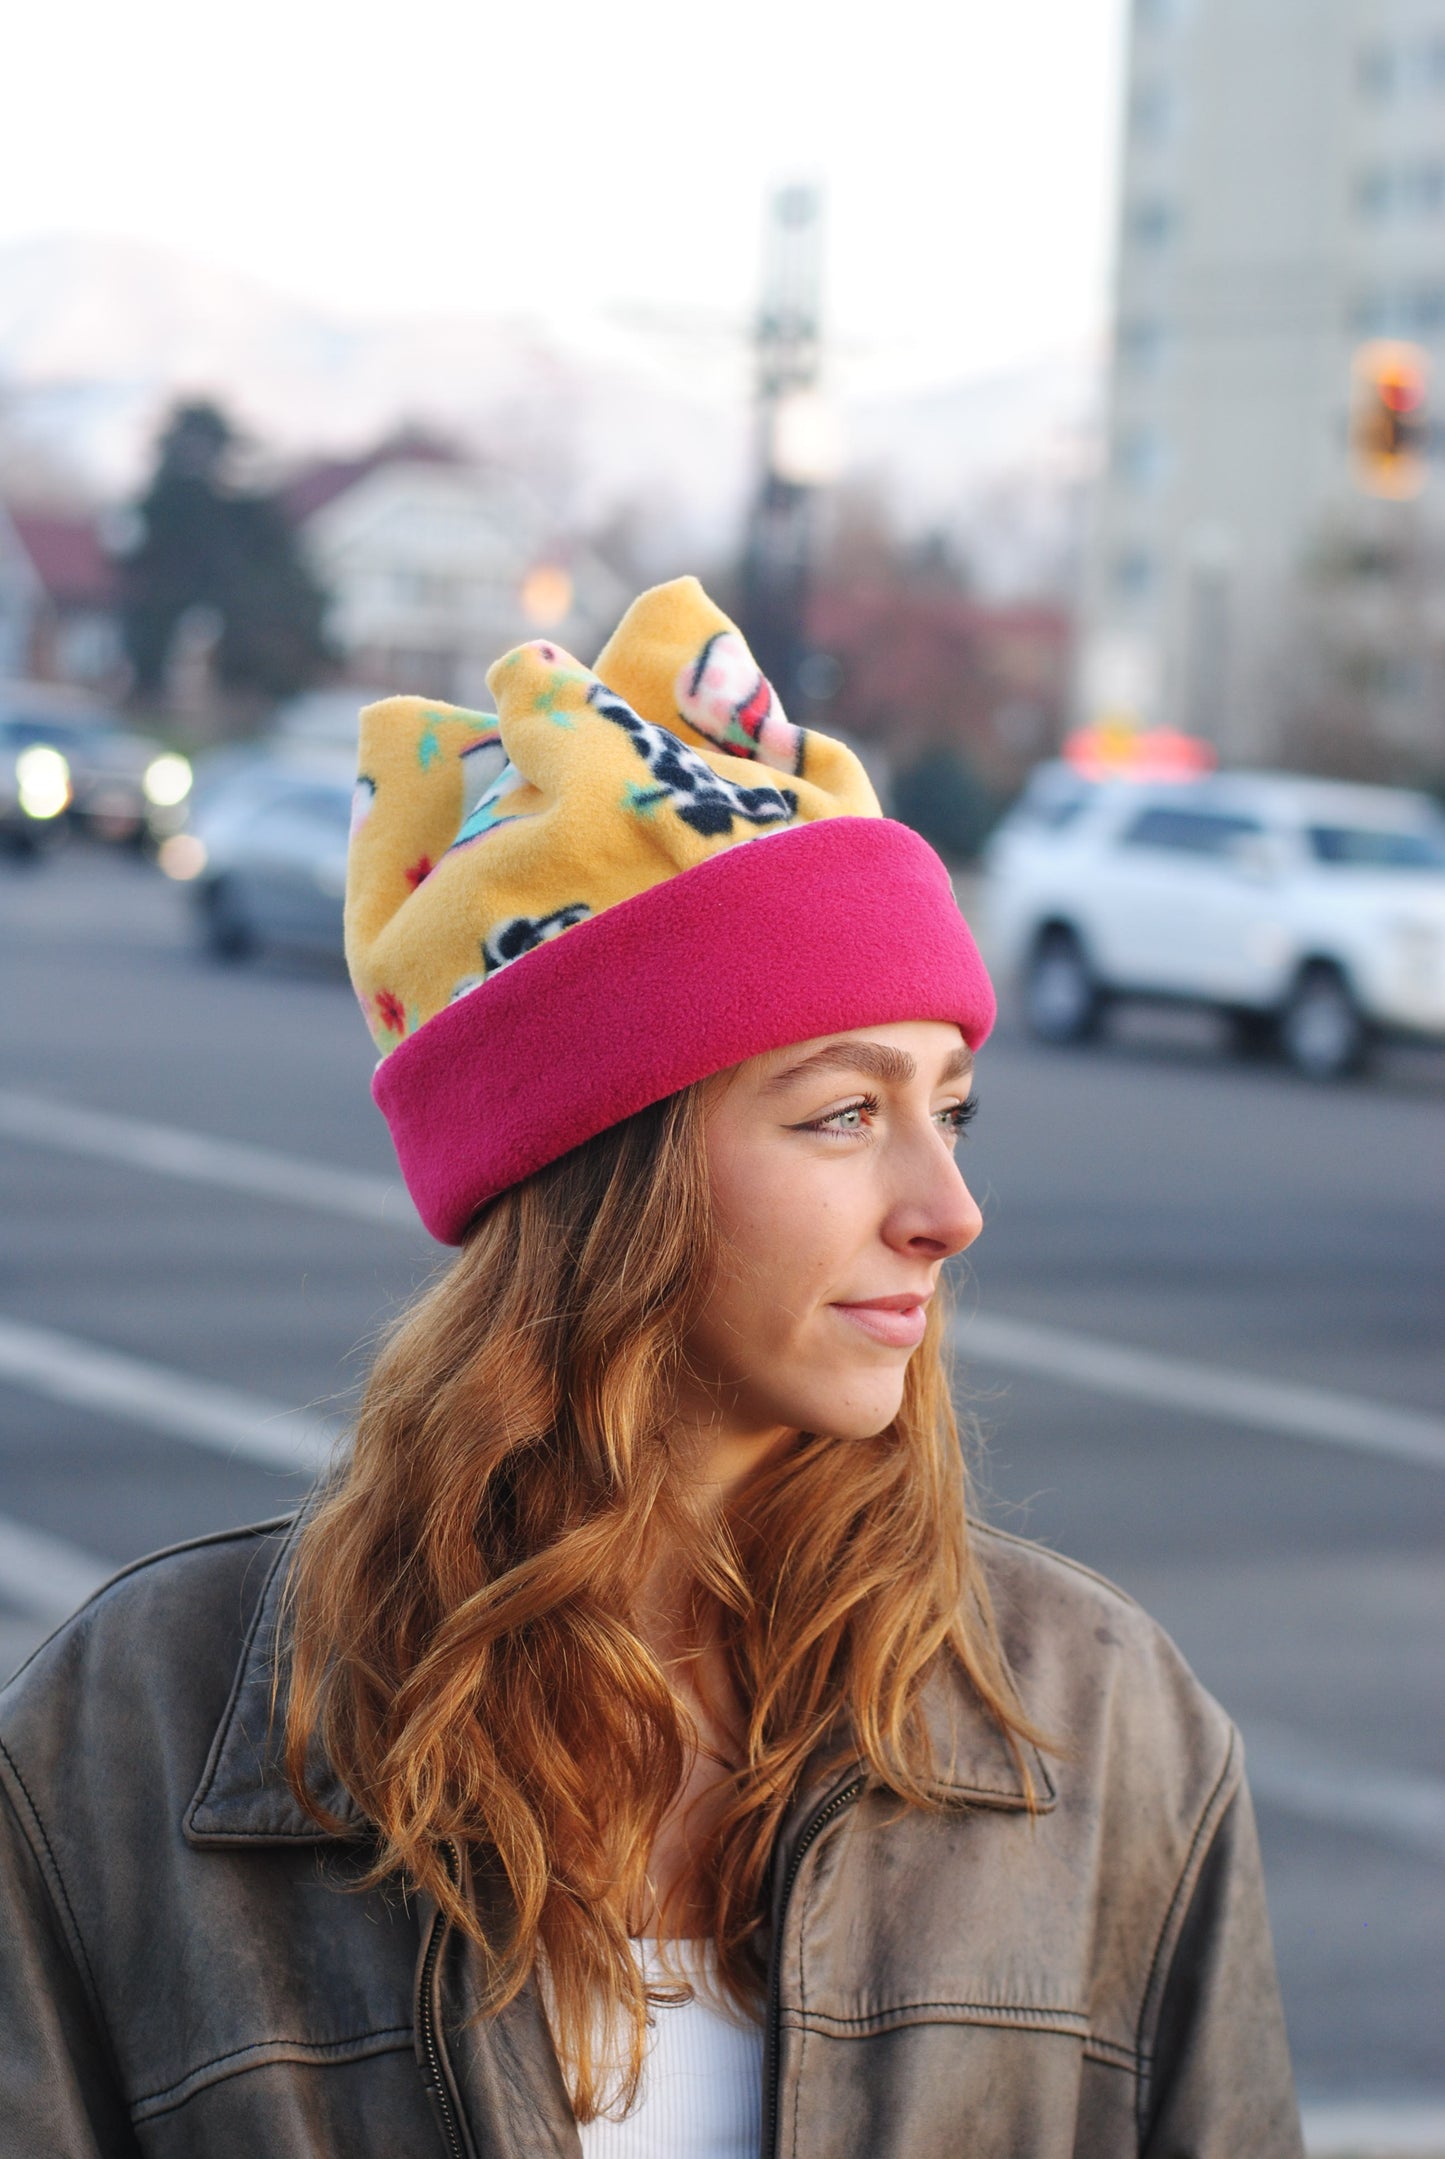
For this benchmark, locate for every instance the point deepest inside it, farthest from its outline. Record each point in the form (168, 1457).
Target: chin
(860, 1413)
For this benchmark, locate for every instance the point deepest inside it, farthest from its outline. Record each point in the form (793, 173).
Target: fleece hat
(665, 877)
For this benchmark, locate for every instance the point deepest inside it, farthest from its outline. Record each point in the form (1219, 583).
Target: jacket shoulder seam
(986, 1530)
(251, 1531)
(243, 1533)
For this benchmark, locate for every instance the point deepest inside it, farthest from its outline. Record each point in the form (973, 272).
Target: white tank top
(702, 2083)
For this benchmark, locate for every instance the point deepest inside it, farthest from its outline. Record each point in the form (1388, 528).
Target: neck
(727, 1461)
(719, 1448)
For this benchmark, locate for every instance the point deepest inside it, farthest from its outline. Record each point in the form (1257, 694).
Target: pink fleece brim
(847, 922)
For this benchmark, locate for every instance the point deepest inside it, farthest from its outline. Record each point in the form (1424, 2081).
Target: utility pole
(795, 453)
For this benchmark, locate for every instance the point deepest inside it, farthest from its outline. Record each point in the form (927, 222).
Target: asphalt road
(1203, 1298)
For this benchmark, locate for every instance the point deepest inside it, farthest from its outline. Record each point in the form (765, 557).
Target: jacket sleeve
(1221, 2083)
(58, 2094)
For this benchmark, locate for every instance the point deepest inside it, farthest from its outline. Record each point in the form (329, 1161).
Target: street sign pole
(790, 449)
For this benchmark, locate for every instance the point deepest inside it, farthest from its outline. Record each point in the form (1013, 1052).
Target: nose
(934, 1215)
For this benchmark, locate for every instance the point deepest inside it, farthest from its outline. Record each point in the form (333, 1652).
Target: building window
(1403, 191)
(1141, 346)
(1151, 222)
(1377, 70)
(1141, 458)
(1410, 311)
(1159, 14)
(1390, 68)
(1375, 192)
(1153, 110)
(1134, 573)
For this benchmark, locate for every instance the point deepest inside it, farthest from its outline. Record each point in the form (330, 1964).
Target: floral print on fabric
(479, 839)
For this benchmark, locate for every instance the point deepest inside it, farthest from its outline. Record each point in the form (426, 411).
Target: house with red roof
(59, 599)
(437, 562)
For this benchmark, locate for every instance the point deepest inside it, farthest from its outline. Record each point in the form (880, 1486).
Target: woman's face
(838, 1199)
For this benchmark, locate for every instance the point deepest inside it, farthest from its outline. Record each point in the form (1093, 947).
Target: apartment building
(1282, 203)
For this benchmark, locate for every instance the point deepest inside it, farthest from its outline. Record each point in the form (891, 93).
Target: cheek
(786, 1234)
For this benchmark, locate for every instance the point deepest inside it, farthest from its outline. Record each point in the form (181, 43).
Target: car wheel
(227, 930)
(1322, 1030)
(1252, 1034)
(31, 842)
(1062, 1001)
(19, 844)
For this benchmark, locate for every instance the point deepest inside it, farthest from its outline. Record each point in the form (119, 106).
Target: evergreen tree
(205, 542)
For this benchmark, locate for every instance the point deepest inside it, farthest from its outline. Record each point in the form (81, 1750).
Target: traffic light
(1389, 422)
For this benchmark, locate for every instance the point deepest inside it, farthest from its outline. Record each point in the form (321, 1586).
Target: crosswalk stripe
(68, 1370)
(45, 1576)
(171, 1151)
(1401, 1807)
(1202, 1390)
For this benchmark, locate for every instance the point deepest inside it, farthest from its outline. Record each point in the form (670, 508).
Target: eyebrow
(876, 1060)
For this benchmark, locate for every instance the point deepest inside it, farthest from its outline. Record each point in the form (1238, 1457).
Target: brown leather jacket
(181, 1974)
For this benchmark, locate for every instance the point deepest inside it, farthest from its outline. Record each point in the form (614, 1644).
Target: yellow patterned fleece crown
(671, 751)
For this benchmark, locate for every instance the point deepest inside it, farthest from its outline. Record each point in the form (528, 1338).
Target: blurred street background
(1056, 396)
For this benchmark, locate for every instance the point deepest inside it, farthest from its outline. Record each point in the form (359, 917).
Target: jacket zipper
(810, 1836)
(431, 2039)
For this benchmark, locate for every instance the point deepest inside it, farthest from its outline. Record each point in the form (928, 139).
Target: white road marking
(1400, 1807)
(1203, 1390)
(44, 1576)
(1377, 2130)
(1080, 1360)
(197, 1410)
(169, 1151)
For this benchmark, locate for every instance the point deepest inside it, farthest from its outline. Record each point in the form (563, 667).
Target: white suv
(1311, 912)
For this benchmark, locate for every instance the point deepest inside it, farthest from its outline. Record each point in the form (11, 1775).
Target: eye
(956, 1119)
(842, 1123)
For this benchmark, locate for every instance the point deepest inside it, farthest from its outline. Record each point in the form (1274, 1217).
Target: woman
(634, 1748)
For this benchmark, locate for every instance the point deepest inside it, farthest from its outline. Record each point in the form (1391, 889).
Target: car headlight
(42, 781)
(167, 780)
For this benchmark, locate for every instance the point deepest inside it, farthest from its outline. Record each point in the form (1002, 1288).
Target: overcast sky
(425, 157)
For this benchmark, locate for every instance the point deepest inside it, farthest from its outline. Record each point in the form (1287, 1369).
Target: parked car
(264, 853)
(124, 786)
(1310, 912)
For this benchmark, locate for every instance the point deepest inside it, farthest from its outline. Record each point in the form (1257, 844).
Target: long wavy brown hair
(463, 1642)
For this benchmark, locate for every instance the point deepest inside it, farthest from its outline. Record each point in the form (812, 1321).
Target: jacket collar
(244, 1796)
(976, 1766)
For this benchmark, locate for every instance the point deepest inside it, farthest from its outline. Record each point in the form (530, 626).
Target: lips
(897, 1322)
